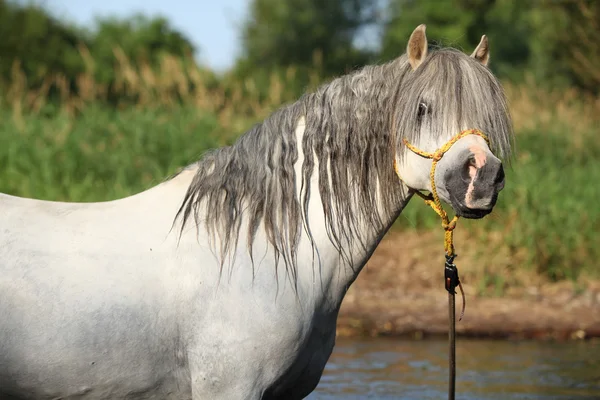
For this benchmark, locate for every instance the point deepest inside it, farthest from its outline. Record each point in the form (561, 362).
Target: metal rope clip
(451, 281)
(451, 274)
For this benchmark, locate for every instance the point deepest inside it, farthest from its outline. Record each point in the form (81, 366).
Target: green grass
(550, 204)
(103, 154)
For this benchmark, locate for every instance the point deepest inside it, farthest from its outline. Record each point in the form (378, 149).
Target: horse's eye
(423, 109)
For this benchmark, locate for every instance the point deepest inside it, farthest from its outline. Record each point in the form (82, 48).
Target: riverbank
(400, 293)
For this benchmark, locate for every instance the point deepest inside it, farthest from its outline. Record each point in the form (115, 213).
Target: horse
(224, 281)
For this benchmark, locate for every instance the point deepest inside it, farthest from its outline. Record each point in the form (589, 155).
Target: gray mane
(354, 124)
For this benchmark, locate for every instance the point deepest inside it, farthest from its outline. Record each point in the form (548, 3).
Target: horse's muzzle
(474, 189)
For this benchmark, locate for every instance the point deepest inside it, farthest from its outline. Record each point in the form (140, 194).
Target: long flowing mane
(353, 127)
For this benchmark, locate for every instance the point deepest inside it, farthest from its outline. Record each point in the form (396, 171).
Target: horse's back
(85, 299)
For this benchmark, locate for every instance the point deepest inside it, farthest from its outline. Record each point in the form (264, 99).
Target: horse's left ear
(482, 52)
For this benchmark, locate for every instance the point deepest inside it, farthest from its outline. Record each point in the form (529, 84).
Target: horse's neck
(338, 267)
(320, 262)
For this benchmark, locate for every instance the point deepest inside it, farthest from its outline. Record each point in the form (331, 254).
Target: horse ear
(482, 52)
(417, 47)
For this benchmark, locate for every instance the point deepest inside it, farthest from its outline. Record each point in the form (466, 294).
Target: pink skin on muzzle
(479, 161)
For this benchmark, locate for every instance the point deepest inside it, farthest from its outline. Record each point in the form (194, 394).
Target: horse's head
(443, 93)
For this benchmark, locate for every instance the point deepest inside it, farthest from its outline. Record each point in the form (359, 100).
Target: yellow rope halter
(433, 200)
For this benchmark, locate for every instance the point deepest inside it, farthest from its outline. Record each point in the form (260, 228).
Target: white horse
(225, 281)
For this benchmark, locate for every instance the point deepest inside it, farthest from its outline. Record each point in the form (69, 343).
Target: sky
(211, 25)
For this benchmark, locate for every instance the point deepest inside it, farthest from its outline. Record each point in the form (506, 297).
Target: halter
(451, 279)
(433, 199)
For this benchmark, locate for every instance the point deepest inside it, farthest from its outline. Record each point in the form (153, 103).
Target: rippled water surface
(399, 369)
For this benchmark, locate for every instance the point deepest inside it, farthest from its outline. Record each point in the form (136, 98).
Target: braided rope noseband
(433, 200)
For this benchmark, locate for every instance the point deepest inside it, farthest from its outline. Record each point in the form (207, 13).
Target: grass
(83, 150)
(103, 154)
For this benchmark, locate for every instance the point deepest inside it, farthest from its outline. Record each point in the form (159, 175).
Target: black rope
(451, 281)
(452, 348)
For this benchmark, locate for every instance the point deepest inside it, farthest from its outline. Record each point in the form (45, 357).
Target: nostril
(472, 166)
(471, 161)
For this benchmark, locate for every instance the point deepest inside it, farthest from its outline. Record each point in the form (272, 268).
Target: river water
(401, 369)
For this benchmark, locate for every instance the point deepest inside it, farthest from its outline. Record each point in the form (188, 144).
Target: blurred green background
(92, 115)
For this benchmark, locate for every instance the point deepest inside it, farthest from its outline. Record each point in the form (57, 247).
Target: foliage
(461, 24)
(553, 41)
(139, 39)
(102, 154)
(556, 42)
(45, 48)
(41, 45)
(305, 33)
(568, 47)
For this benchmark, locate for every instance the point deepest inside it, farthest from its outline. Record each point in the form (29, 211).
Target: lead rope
(451, 280)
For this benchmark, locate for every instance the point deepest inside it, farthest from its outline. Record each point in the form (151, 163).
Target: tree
(139, 38)
(568, 49)
(280, 34)
(42, 45)
(52, 54)
(461, 24)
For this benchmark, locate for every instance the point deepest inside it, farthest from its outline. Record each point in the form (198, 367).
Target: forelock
(460, 93)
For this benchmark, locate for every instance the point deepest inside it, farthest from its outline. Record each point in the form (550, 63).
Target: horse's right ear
(482, 52)
(417, 47)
